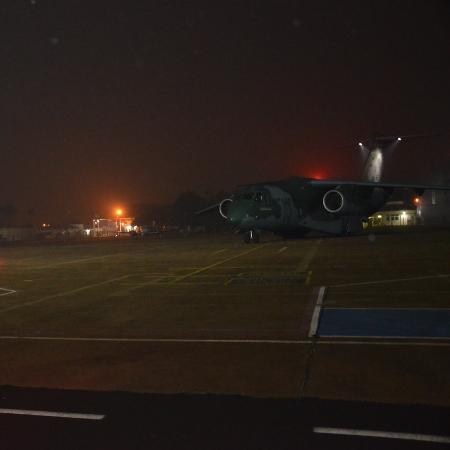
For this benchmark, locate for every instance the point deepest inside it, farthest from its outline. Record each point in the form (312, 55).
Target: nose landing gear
(251, 237)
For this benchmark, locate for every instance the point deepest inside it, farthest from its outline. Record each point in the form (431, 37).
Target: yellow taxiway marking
(74, 261)
(282, 249)
(219, 263)
(309, 256)
(233, 278)
(64, 294)
(220, 251)
(126, 291)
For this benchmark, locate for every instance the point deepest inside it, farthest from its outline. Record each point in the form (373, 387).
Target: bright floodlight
(119, 212)
(399, 139)
(360, 144)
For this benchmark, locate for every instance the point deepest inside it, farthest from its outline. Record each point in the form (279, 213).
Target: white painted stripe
(217, 252)
(392, 280)
(322, 291)
(228, 341)
(4, 291)
(316, 313)
(309, 256)
(63, 294)
(383, 434)
(282, 249)
(160, 340)
(65, 415)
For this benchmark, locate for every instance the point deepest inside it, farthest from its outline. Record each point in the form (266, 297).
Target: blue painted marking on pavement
(424, 323)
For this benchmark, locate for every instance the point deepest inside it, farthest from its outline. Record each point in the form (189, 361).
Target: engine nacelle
(333, 201)
(223, 207)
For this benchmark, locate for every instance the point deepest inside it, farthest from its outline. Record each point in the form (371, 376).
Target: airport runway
(210, 315)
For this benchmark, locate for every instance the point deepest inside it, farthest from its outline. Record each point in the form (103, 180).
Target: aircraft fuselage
(292, 206)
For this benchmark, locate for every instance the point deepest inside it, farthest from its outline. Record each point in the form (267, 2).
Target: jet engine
(223, 207)
(333, 201)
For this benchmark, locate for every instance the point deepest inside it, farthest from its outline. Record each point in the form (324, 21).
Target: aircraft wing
(414, 187)
(209, 208)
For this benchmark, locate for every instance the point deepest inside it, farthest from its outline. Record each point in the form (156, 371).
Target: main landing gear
(251, 237)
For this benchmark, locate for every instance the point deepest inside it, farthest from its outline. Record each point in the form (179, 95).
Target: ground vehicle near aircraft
(294, 206)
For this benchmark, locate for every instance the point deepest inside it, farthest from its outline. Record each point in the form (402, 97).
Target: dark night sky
(118, 102)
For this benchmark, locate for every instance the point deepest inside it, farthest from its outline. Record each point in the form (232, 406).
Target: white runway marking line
(392, 280)
(63, 294)
(217, 252)
(282, 249)
(64, 415)
(309, 256)
(383, 434)
(222, 341)
(4, 291)
(158, 340)
(316, 314)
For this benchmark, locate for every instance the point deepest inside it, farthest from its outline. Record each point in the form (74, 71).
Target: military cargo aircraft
(294, 206)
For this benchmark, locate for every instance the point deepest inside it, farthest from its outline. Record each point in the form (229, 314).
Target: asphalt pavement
(116, 420)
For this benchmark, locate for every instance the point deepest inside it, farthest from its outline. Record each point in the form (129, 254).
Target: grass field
(210, 314)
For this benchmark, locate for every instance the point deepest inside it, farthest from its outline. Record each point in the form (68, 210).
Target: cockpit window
(245, 196)
(259, 197)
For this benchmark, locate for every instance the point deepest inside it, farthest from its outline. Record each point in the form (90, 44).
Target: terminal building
(396, 213)
(433, 208)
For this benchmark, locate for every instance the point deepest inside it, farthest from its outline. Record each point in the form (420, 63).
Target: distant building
(433, 208)
(111, 227)
(17, 233)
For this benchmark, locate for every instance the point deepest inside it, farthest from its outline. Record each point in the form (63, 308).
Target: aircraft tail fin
(376, 149)
(374, 159)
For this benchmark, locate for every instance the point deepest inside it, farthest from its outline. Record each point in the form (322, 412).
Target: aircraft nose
(235, 214)
(240, 214)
